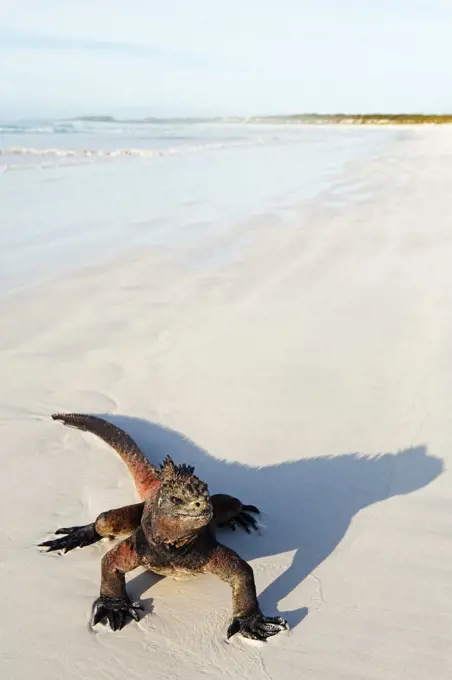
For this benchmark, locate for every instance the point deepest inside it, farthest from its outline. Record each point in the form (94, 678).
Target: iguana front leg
(230, 512)
(247, 618)
(113, 603)
(117, 523)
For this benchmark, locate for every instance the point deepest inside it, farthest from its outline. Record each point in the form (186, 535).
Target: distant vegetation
(95, 119)
(304, 118)
(363, 119)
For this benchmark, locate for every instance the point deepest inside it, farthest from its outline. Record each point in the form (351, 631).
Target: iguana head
(183, 500)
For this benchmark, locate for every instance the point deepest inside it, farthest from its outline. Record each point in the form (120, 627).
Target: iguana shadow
(307, 505)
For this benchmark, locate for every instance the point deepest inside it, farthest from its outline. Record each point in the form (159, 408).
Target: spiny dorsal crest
(170, 471)
(182, 477)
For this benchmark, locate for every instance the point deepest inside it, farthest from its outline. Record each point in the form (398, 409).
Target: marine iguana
(170, 532)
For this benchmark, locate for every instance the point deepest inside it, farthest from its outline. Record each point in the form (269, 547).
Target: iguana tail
(144, 474)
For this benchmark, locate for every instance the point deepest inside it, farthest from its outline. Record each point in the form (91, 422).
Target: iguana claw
(116, 610)
(76, 537)
(257, 626)
(243, 519)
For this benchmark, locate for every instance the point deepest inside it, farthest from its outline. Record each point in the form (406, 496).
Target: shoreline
(54, 232)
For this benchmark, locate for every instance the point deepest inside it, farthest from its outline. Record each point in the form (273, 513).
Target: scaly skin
(171, 532)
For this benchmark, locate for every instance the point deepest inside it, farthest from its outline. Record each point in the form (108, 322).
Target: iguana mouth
(205, 513)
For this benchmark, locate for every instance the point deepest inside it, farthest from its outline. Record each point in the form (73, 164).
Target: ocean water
(72, 193)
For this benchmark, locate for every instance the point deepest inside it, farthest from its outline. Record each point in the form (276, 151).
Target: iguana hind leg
(230, 512)
(117, 523)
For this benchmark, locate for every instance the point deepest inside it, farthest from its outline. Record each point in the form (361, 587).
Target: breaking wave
(100, 153)
(36, 129)
(74, 155)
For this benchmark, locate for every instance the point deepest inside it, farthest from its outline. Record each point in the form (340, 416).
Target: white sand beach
(307, 371)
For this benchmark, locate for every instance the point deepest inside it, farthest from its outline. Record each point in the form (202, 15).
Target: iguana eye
(175, 501)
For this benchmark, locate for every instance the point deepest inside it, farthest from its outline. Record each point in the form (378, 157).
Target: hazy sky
(138, 57)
